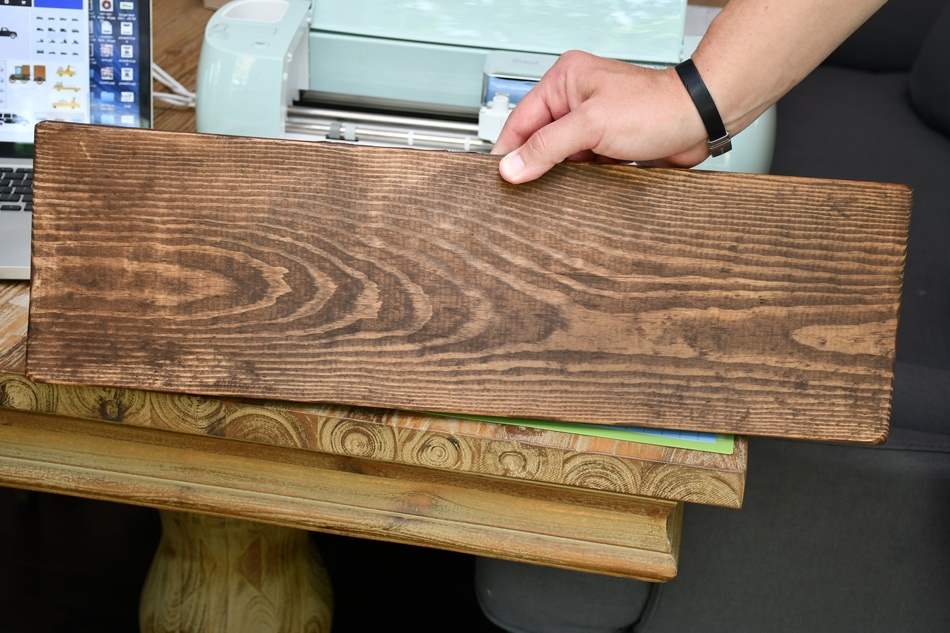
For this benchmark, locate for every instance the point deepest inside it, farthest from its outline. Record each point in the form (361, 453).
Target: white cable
(162, 75)
(180, 95)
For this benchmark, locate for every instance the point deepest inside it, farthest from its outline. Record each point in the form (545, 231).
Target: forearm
(591, 108)
(757, 50)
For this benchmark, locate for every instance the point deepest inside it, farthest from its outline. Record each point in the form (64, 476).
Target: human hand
(590, 108)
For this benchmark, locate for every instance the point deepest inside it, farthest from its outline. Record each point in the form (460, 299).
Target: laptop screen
(84, 61)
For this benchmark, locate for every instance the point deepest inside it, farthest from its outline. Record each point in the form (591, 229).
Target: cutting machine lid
(649, 31)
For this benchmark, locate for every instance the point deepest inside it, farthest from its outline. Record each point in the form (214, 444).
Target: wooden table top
(416, 439)
(540, 496)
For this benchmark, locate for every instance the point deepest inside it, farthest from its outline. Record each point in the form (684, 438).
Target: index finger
(523, 121)
(540, 107)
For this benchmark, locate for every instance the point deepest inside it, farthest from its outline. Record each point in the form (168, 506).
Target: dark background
(78, 565)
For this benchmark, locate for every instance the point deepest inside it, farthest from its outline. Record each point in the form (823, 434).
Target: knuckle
(574, 57)
(540, 143)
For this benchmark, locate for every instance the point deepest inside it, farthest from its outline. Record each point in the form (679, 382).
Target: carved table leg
(215, 575)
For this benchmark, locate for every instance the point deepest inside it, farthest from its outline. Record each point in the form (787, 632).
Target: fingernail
(511, 166)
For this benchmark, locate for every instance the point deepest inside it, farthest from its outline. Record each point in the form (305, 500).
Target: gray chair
(831, 537)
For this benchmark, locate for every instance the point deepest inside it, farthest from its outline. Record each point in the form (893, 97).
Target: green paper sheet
(693, 440)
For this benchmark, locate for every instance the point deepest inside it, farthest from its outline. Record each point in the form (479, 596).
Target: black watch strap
(719, 140)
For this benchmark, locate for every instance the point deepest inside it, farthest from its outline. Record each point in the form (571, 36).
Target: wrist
(718, 139)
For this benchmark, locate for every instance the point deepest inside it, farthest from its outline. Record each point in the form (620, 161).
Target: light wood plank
(413, 439)
(14, 308)
(510, 519)
(420, 280)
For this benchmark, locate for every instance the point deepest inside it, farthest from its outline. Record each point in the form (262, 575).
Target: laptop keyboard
(16, 189)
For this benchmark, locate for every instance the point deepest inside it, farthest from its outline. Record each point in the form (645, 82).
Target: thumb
(547, 147)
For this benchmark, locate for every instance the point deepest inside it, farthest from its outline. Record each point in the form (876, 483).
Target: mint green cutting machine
(433, 74)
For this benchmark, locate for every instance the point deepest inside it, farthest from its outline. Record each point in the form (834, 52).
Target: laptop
(85, 61)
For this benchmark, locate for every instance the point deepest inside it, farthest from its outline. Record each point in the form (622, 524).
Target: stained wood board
(420, 280)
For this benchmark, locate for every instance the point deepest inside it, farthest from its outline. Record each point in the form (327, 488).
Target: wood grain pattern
(14, 308)
(420, 280)
(413, 439)
(214, 575)
(506, 518)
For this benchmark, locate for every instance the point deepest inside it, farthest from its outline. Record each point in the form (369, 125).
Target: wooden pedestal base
(215, 575)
